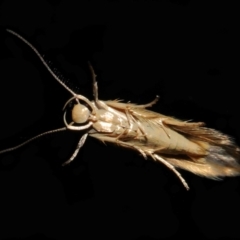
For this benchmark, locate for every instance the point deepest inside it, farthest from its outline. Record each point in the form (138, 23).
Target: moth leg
(130, 125)
(121, 143)
(95, 86)
(141, 128)
(148, 104)
(178, 123)
(170, 166)
(123, 133)
(160, 122)
(162, 126)
(99, 103)
(79, 145)
(129, 119)
(158, 150)
(142, 152)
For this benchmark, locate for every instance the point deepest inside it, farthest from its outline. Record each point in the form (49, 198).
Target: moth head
(80, 113)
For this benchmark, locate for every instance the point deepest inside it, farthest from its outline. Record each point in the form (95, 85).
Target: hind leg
(171, 167)
(148, 104)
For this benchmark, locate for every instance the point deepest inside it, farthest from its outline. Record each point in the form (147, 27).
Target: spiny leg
(134, 147)
(142, 152)
(79, 145)
(118, 105)
(99, 103)
(167, 164)
(119, 142)
(95, 86)
(148, 104)
(154, 156)
(104, 105)
(95, 91)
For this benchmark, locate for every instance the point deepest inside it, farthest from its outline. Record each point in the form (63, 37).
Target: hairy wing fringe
(205, 134)
(207, 167)
(222, 157)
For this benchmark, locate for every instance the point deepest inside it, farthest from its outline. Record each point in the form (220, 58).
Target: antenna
(42, 60)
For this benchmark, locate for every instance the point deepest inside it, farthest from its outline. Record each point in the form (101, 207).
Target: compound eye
(80, 113)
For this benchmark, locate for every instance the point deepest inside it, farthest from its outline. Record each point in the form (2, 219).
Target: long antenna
(33, 138)
(42, 60)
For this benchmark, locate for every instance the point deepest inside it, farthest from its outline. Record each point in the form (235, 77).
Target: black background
(184, 51)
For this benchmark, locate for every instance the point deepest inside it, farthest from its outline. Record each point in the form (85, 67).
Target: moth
(176, 144)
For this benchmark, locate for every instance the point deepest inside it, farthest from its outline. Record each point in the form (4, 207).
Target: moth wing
(143, 113)
(223, 155)
(192, 130)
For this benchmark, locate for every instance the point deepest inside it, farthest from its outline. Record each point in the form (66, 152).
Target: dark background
(184, 51)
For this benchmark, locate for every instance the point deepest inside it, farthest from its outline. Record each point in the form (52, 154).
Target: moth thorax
(80, 113)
